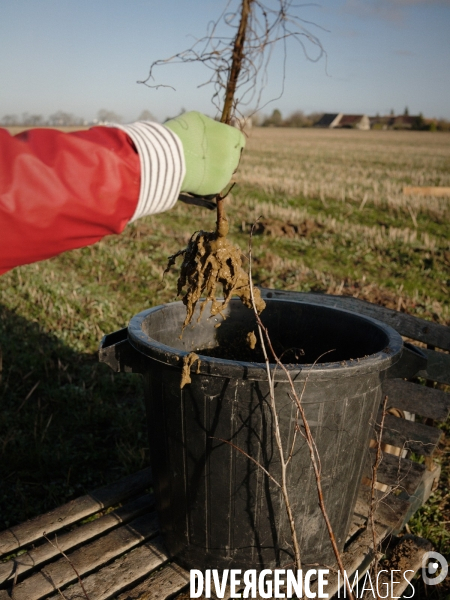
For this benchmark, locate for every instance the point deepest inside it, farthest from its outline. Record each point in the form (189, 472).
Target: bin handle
(412, 360)
(116, 351)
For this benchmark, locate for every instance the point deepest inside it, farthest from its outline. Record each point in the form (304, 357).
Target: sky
(80, 56)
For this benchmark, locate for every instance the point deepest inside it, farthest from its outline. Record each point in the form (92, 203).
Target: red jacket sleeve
(60, 191)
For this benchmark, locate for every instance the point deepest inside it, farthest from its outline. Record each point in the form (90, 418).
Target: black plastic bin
(217, 508)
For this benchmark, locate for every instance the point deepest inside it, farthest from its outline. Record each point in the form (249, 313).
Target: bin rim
(376, 362)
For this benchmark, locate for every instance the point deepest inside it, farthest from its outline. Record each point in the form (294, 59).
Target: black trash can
(217, 508)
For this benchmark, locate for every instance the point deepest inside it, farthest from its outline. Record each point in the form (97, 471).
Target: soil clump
(211, 260)
(285, 229)
(188, 361)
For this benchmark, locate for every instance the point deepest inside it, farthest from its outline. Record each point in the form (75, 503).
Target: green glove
(212, 152)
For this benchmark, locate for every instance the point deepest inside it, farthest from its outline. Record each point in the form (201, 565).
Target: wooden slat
(417, 399)
(395, 471)
(86, 559)
(358, 552)
(159, 586)
(358, 523)
(32, 559)
(420, 439)
(438, 368)
(390, 509)
(407, 325)
(406, 556)
(119, 575)
(16, 537)
(421, 495)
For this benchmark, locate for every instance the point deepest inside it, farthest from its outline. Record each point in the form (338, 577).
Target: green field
(333, 218)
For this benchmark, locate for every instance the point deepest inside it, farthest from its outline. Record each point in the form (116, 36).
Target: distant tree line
(65, 119)
(296, 119)
(407, 121)
(299, 119)
(57, 119)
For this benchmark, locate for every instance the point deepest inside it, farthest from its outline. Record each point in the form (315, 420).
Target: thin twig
(373, 503)
(58, 547)
(240, 61)
(266, 24)
(249, 457)
(315, 458)
(28, 396)
(279, 443)
(294, 439)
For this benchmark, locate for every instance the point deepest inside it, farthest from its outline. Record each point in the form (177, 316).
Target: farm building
(354, 122)
(328, 120)
(341, 121)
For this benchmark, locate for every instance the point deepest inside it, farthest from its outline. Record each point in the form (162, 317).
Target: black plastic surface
(217, 508)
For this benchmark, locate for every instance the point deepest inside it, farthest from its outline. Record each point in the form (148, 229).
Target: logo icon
(432, 562)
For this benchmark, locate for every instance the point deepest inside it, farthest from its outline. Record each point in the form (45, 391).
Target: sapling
(239, 65)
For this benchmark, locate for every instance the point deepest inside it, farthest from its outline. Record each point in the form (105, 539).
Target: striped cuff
(162, 166)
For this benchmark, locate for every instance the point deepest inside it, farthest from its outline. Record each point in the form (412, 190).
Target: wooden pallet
(109, 539)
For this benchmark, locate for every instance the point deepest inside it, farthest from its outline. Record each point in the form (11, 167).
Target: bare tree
(63, 119)
(9, 120)
(275, 120)
(108, 116)
(32, 120)
(146, 115)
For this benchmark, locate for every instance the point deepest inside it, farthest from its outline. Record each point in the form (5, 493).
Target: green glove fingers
(212, 152)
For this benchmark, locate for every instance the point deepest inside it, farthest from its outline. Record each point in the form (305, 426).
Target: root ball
(211, 260)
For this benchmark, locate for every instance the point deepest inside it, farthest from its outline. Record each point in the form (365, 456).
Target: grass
(333, 219)
(369, 168)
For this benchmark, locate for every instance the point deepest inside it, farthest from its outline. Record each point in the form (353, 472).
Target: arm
(60, 191)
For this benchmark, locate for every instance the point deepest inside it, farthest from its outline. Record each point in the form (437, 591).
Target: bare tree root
(211, 260)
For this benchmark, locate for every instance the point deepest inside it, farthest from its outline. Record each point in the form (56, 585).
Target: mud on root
(211, 261)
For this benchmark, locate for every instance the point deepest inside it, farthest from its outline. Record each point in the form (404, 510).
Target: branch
(249, 457)
(283, 462)
(238, 62)
(373, 503)
(315, 459)
(58, 547)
